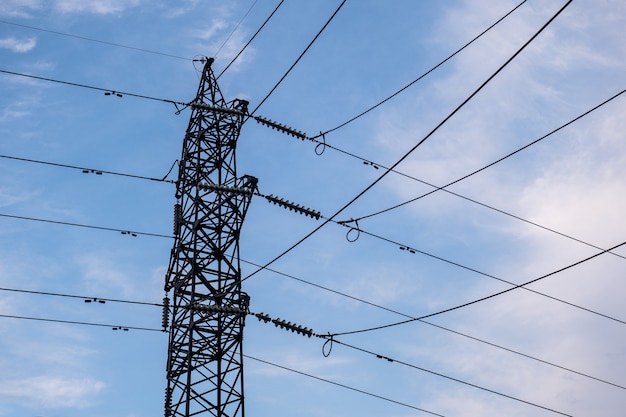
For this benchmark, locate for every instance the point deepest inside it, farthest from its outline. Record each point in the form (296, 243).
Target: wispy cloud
(572, 183)
(9, 195)
(101, 7)
(7, 115)
(25, 8)
(18, 45)
(19, 8)
(51, 391)
(102, 272)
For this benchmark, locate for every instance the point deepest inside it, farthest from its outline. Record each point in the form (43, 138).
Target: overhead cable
(235, 28)
(266, 318)
(87, 170)
(343, 386)
(87, 299)
(250, 41)
(424, 74)
(317, 215)
(388, 359)
(424, 321)
(377, 166)
(127, 328)
(106, 91)
(301, 135)
(299, 57)
(404, 247)
(83, 323)
(496, 161)
(487, 297)
(305, 331)
(96, 40)
(420, 142)
(122, 231)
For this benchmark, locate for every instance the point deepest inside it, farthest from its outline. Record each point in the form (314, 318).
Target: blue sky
(573, 182)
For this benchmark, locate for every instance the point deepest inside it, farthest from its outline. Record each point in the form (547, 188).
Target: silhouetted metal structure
(208, 308)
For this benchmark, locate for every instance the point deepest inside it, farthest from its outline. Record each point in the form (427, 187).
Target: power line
(488, 297)
(345, 223)
(323, 144)
(122, 231)
(95, 40)
(444, 188)
(498, 161)
(377, 165)
(82, 323)
(127, 328)
(355, 298)
(106, 91)
(406, 155)
(331, 339)
(388, 359)
(299, 58)
(86, 170)
(81, 297)
(103, 300)
(343, 386)
(438, 326)
(235, 28)
(363, 113)
(250, 41)
(407, 248)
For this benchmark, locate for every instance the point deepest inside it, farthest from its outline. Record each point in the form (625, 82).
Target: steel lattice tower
(205, 362)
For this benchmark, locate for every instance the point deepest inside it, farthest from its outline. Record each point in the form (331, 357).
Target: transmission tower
(205, 362)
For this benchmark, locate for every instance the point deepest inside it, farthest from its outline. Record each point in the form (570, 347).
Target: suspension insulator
(168, 402)
(165, 321)
(178, 216)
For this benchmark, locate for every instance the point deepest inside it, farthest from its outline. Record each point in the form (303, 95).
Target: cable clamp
(354, 233)
(321, 145)
(328, 346)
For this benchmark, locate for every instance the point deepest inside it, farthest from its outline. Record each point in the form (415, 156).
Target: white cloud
(19, 8)
(102, 273)
(581, 192)
(216, 39)
(573, 182)
(18, 45)
(48, 370)
(51, 391)
(25, 8)
(101, 7)
(180, 8)
(210, 31)
(8, 115)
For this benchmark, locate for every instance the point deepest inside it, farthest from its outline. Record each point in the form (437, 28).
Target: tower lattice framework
(207, 312)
